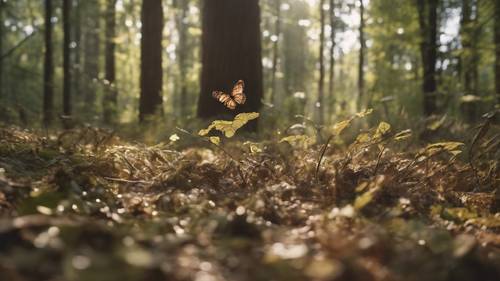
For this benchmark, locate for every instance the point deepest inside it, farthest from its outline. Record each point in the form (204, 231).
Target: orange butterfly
(237, 96)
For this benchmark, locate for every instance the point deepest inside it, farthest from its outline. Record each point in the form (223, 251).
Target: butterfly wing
(224, 99)
(237, 92)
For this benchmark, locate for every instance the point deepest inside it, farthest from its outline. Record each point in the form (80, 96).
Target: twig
(128, 181)
(18, 45)
(378, 160)
(323, 151)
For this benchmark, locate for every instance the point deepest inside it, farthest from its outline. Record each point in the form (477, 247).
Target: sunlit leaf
(364, 113)
(341, 126)
(403, 135)
(298, 140)
(363, 138)
(215, 140)
(469, 98)
(382, 130)
(174, 138)
(229, 128)
(451, 147)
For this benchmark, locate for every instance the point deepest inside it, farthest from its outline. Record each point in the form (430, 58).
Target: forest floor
(86, 205)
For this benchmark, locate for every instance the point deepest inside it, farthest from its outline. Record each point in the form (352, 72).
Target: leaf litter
(84, 203)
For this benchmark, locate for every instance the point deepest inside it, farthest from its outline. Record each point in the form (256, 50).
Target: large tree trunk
(151, 59)
(331, 76)
(66, 58)
(274, 70)
(110, 95)
(321, 82)
(497, 49)
(362, 48)
(48, 76)
(231, 51)
(427, 14)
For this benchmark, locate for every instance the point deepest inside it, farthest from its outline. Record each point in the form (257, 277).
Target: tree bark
(231, 50)
(111, 94)
(66, 58)
(2, 5)
(362, 48)
(151, 82)
(182, 54)
(277, 30)
(321, 82)
(497, 49)
(78, 48)
(427, 14)
(331, 76)
(48, 75)
(91, 52)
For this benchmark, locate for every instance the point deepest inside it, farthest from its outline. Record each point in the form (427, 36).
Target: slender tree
(497, 49)
(151, 59)
(48, 77)
(66, 58)
(331, 76)
(91, 51)
(77, 57)
(111, 94)
(469, 35)
(277, 31)
(428, 21)
(231, 50)
(182, 53)
(362, 50)
(2, 4)
(321, 82)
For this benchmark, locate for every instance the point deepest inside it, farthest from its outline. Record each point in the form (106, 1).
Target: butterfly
(237, 96)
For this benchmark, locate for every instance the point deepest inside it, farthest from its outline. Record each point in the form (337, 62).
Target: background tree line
(118, 61)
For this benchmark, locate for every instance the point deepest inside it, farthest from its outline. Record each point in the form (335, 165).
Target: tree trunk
(277, 30)
(91, 52)
(151, 59)
(48, 75)
(320, 101)
(2, 5)
(362, 48)
(182, 54)
(231, 50)
(110, 95)
(469, 33)
(497, 49)
(427, 14)
(331, 76)
(78, 48)
(466, 33)
(66, 58)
